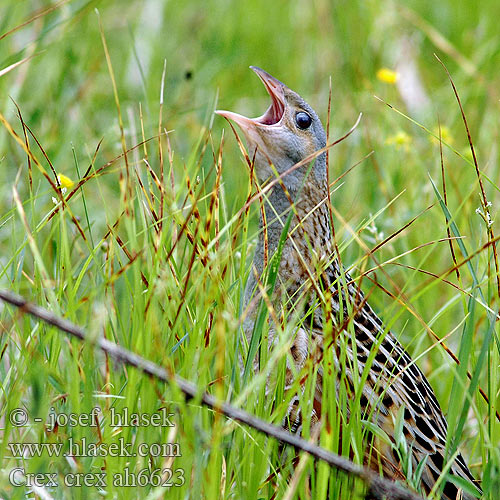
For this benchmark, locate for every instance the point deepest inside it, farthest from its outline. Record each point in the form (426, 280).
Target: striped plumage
(309, 275)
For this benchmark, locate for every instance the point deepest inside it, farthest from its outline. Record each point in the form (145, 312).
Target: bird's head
(287, 133)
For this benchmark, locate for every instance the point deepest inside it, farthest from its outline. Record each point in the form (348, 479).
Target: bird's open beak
(274, 113)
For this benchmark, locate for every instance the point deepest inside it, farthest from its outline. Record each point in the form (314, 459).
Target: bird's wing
(394, 381)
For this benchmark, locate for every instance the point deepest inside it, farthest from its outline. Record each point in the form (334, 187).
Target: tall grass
(151, 246)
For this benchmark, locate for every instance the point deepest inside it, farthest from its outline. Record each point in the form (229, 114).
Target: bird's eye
(303, 120)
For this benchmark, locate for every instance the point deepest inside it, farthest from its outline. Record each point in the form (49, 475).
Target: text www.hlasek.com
(85, 449)
(165, 477)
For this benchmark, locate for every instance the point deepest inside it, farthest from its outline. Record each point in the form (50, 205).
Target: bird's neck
(309, 235)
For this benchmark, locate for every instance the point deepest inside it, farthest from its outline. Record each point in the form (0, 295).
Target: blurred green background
(65, 94)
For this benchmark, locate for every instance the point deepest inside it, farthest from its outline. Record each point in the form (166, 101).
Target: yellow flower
(401, 140)
(467, 153)
(387, 75)
(445, 135)
(65, 181)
